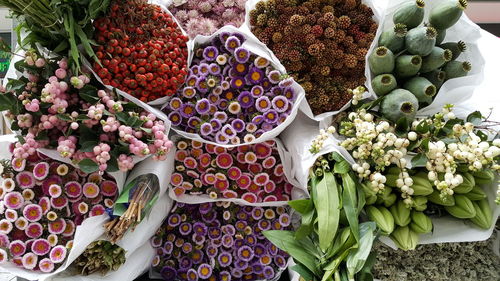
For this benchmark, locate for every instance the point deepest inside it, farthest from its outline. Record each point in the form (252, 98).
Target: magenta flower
(59, 202)
(3, 256)
(244, 181)
(234, 173)
(176, 179)
(40, 247)
(91, 190)
(229, 194)
(97, 210)
(262, 150)
(190, 163)
(32, 212)
(73, 189)
(270, 198)
(55, 190)
(25, 180)
(58, 226)
(261, 179)
(30, 260)
(270, 187)
(53, 239)
(249, 197)
(108, 188)
(70, 229)
(46, 265)
(18, 164)
(58, 254)
(224, 160)
(11, 215)
(4, 240)
(17, 248)
(44, 202)
(13, 200)
(34, 230)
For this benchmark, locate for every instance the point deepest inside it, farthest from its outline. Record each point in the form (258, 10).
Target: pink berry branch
(92, 127)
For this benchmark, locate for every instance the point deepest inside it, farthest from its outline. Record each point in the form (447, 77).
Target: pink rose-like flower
(34, 230)
(40, 247)
(90, 190)
(3, 256)
(46, 265)
(32, 212)
(17, 248)
(58, 254)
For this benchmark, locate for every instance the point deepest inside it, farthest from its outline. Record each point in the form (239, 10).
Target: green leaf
(475, 118)
(303, 272)
(7, 101)
(422, 127)
(112, 165)
(147, 130)
(337, 157)
(343, 241)
(89, 94)
(365, 273)
(402, 126)
(88, 166)
(88, 146)
(358, 257)
(341, 167)
(82, 117)
(97, 6)
(14, 85)
(328, 275)
(425, 144)
(122, 117)
(285, 240)
(350, 204)
(301, 205)
(328, 208)
(419, 160)
(64, 117)
(482, 135)
(61, 47)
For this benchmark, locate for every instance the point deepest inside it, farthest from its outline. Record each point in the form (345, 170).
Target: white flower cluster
(357, 94)
(319, 141)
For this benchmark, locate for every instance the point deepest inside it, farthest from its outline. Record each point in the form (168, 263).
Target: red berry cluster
(142, 50)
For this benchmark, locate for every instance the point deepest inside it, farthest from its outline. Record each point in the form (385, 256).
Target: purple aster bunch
(42, 201)
(204, 17)
(253, 173)
(231, 96)
(219, 241)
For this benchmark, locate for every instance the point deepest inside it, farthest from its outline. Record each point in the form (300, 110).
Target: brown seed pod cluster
(322, 44)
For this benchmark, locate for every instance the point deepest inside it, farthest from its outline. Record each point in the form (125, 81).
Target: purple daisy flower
(276, 91)
(214, 233)
(255, 76)
(280, 261)
(240, 225)
(168, 247)
(264, 225)
(257, 268)
(187, 92)
(280, 104)
(225, 275)
(241, 55)
(168, 273)
(200, 228)
(214, 69)
(187, 247)
(187, 110)
(225, 85)
(236, 273)
(225, 259)
(224, 35)
(191, 80)
(174, 220)
(232, 43)
(228, 131)
(175, 117)
(214, 99)
(240, 264)
(238, 69)
(203, 67)
(245, 99)
(221, 138)
(227, 241)
(282, 118)
(202, 85)
(194, 69)
(212, 251)
(266, 84)
(198, 239)
(192, 275)
(263, 104)
(257, 213)
(237, 82)
(251, 240)
(239, 36)
(217, 90)
(245, 253)
(272, 249)
(268, 272)
(206, 129)
(271, 117)
(238, 125)
(197, 256)
(216, 123)
(229, 229)
(204, 271)
(284, 220)
(185, 263)
(223, 104)
(234, 107)
(266, 127)
(210, 53)
(259, 250)
(274, 76)
(287, 82)
(202, 106)
(194, 122)
(289, 93)
(258, 119)
(239, 243)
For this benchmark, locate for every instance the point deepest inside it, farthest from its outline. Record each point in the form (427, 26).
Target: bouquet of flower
(231, 95)
(94, 128)
(42, 202)
(221, 240)
(204, 17)
(143, 51)
(253, 173)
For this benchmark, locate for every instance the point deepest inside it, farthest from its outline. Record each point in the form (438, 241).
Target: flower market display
(205, 17)
(221, 240)
(231, 95)
(246, 140)
(253, 173)
(43, 201)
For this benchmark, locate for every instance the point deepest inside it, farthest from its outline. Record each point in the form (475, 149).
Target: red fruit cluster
(142, 50)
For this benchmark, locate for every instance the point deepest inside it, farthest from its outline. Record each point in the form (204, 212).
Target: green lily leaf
(328, 208)
(349, 202)
(358, 257)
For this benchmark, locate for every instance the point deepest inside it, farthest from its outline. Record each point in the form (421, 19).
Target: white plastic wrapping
(286, 160)
(255, 47)
(304, 106)
(454, 90)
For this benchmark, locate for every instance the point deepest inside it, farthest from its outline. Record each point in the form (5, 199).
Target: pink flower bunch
(251, 172)
(56, 110)
(43, 201)
(204, 17)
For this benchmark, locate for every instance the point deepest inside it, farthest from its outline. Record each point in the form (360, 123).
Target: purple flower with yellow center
(216, 123)
(175, 117)
(238, 82)
(240, 264)
(200, 228)
(251, 240)
(225, 259)
(245, 253)
(240, 225)
(239, 36)
(251, 127)
(229, 229)
(203, 67)
(272, 249)
(271, 117)
(214, 233)
(261, 62)
(266, 84)
(217, 90)
(202, 85)
(282, 118)
(276, 91)
(214, 69)
(187, 247)
(284, 220)
(259, 250)
(238, 125)
(168, 273)
(187, 92)
(287, 82)
(156, 241)
(197, 256)
(202, 106)
(212, 251)
(174, 220)
(194, 122)
(223, 104)
(232, 43)
(242, 215)
(225, 275)
(245, 99)
(206, 129)
(241, 55)
(255, 76)
(225, 85)
(228, 131)
(187, 110)
(204, 271)
(194, 69)
(238, 69)
(234, 107)
(191, 80)
(185, 262)
(280, 261)
(274, 76)
(213, 99)
(262, 104)
(268, 272)
(264, 225)
(280, 104)
(289, 93)
(227, 241)
(224, 35)
(210, 53)
(192, 275)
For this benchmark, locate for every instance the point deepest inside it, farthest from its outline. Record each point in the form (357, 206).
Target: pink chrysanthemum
(17, 248)
(244, 181)
(83, 208)
(269, 162)
(30, 260)
(270, 198)
(250, 157)
(179, 191)
(97, 210)
(176, 179)
(18, 164)
(108, 203)
(70, 229)
(25, 180)
(262, 150)
(3, 256)
(46, 265)
(205, 159)
(4, 240)
(209, 178)
(41, 170)
(40, 247)
(50, 180)
(21, 223)
(53, 239)
(221, 185)
(55, 190)
(278, 170)
(57, 226)
(5, 226)
(229, 194)
(261, 179)
(234, 173)
(28, 194)
(58, 254)
(34, 230)
(8, 185)
(190, 163)
(11, 215)
(270, 187)
(13, 200)
(73, 189)
(44, 202)
(59, 202)
(109, 188)
(90, 190)
(32, 212)
(224, 160)
(249, 197)
(288, 188)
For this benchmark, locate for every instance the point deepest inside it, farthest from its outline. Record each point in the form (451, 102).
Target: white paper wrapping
(454, 90)
(286, 160)
(304, 106)
(255, 47)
